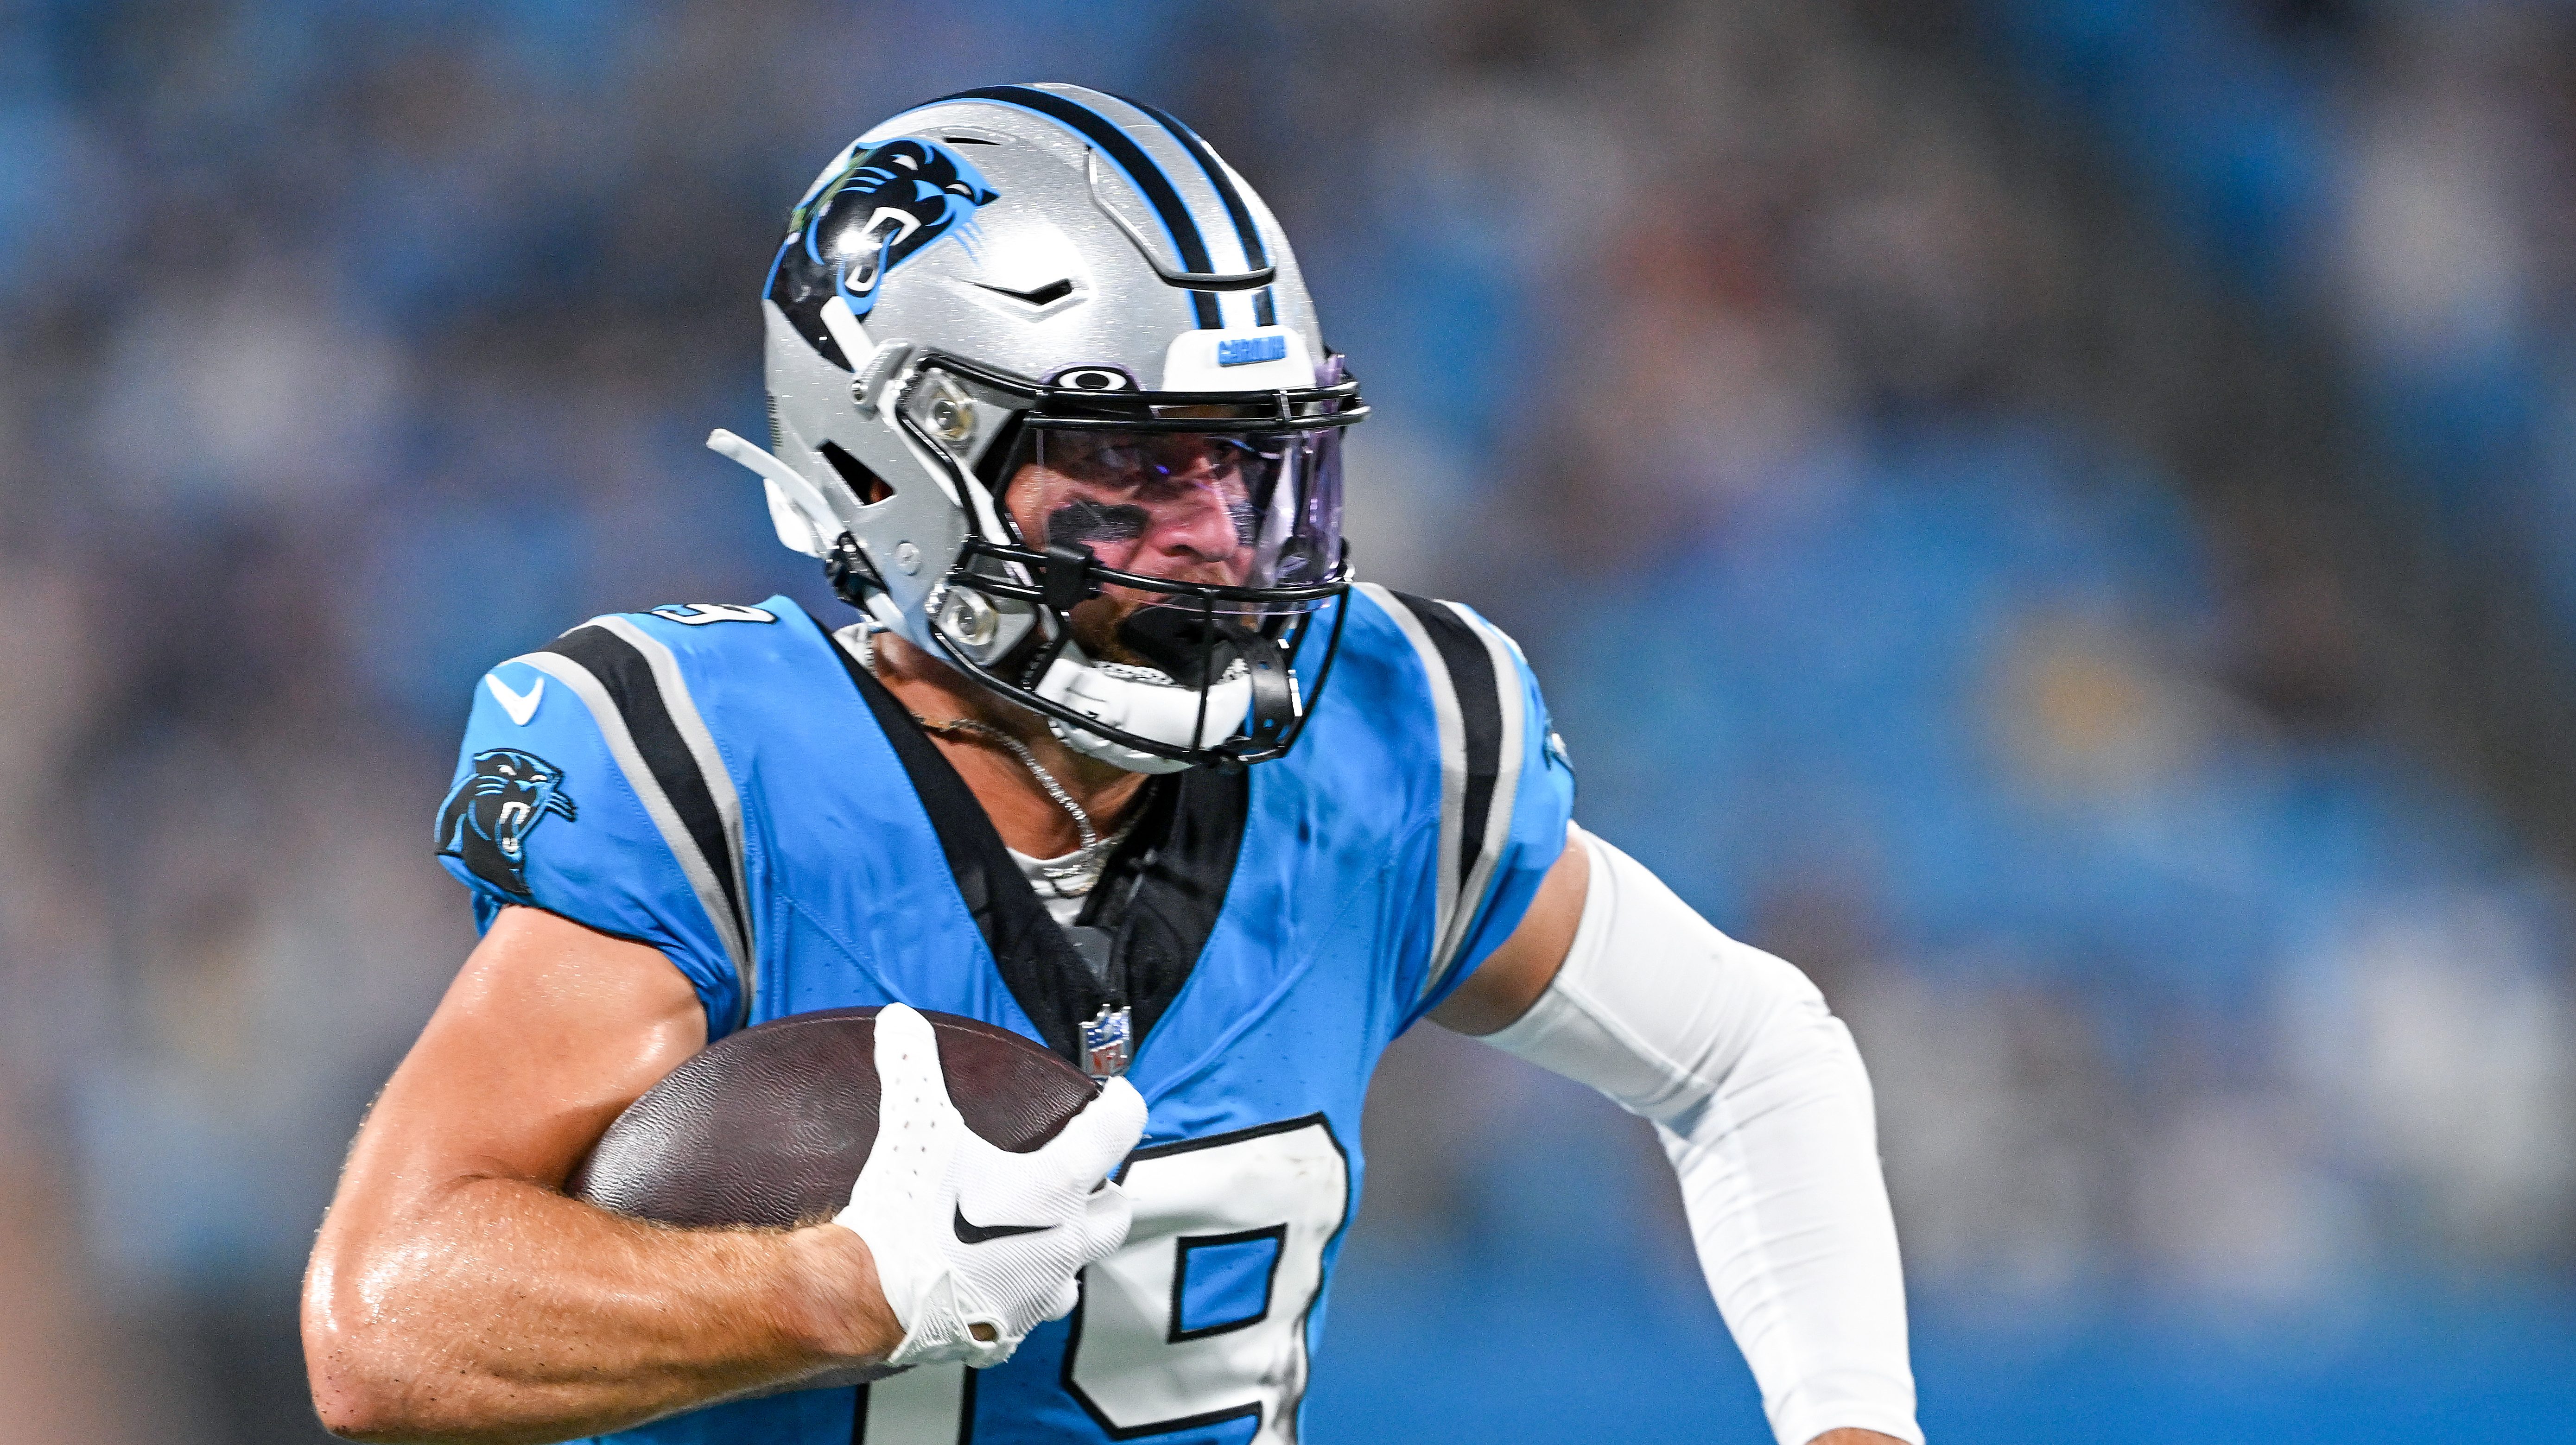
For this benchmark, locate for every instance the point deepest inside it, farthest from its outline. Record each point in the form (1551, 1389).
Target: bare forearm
(507, 1312)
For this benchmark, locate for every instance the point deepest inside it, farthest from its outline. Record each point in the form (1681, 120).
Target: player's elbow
(352, 1402)
(351, 1410)
(1799, 1059)
(353, 1396)
(355, 1368)
(390, 1393)
(363, 1395)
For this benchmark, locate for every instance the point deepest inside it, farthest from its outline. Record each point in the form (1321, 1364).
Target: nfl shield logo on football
(1104, 1043)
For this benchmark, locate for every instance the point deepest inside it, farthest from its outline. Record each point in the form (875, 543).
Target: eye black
(1087, 521)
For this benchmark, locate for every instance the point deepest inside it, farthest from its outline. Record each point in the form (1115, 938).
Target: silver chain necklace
(1108, 1037)
(1076, 876)
(1072, 877)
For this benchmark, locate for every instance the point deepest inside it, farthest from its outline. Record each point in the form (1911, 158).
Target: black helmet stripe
(1255, 255)
(1121, 149)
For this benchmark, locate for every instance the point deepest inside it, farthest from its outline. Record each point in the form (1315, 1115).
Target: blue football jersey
(729, 785)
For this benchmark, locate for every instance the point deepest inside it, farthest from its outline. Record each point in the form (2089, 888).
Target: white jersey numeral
(699, 614)
(925, 1405)
(1201, 1317)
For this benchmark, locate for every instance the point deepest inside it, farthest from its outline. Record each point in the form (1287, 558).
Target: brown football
(769, 1126)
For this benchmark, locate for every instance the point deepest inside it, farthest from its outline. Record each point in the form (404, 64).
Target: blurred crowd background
(2059, 516)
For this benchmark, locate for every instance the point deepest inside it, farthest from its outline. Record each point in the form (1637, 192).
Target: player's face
(1177, 505)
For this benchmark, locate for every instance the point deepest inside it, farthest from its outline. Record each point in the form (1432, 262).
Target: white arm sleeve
(1762, 1105)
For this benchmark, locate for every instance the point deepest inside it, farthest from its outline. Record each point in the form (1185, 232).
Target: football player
(1116, 755)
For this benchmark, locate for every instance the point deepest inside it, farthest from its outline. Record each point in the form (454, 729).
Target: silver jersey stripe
(1507, 783)
(657, 804)
(676, 699)
(1453, 770)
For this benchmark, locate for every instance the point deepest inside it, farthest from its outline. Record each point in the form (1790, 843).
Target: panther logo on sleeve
(486, 821)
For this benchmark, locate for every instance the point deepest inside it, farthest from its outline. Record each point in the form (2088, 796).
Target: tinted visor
(1257, 510)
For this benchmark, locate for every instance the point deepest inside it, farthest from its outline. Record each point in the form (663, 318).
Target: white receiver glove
(976, 1246)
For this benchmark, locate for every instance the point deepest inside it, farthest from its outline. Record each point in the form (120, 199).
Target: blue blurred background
(2057, 515)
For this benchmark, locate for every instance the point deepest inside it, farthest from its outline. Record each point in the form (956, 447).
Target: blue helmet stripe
(1142, 172)
(1255, 255)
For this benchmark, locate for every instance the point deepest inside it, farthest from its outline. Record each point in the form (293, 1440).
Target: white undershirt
(1061, 906)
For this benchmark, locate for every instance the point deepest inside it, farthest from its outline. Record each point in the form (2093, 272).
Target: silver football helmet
(1047, 394)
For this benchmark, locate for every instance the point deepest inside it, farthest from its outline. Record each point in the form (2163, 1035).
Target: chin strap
(1068, 581)
(852, 579)
(1274, 686)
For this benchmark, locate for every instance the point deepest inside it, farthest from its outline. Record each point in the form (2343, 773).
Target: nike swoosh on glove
(976, 1246)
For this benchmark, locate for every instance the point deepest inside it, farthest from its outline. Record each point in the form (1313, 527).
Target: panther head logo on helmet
(885, 204)
(486, 821)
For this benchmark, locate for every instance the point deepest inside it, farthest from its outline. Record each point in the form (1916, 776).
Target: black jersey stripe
(627, 676)
(1512, 707)
(672, 685)
(1480, 713)
(1130, 157)
(1448, 733)
(1471, 678)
